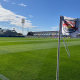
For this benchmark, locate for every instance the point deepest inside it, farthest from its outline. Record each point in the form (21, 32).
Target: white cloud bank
(6, 0)
(30, 16)
(3, 27)
(19, 30)
(55, 28)
(13, 19)
(13, 3)
(22, 4)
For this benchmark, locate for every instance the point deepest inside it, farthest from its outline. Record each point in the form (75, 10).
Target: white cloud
(30, 16)
(13, 19)
(55, 28)
(22, 4)
(3, 27)
(18, 30)
(34, 30)
(6, 0)
(13, 3)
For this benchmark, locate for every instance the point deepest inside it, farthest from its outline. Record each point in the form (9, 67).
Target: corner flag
(68, 26)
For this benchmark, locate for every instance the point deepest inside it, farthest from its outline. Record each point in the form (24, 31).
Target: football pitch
(36, 59)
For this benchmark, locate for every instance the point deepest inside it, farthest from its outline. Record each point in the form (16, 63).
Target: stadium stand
(43, 34)
(53, 34)
(9, 33)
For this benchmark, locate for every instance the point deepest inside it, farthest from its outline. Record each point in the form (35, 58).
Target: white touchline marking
(3, 77)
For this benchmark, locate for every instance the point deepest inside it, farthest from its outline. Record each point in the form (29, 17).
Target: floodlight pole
(57, 74)
(28, 30)
(22, 28)
(23, 21)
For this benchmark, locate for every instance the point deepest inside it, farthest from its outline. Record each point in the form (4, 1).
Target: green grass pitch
(36, 59)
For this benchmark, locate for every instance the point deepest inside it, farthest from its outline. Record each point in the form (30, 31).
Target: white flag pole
(57, 75)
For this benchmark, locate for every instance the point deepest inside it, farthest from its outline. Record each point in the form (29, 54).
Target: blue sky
(39, 15)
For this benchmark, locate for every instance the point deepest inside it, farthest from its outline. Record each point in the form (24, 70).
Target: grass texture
(36, 59)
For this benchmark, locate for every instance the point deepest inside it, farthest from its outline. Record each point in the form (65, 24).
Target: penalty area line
(3, 77)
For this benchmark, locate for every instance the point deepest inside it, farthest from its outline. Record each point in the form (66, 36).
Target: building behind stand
(9, 33)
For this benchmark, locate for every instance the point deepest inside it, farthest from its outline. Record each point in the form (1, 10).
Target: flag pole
(57, 75)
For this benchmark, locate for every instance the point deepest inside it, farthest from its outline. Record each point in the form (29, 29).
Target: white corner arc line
(3, 77)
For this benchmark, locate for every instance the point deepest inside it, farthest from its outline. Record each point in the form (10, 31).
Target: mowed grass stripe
(29, 47)
(17, 42)
(37, 39)
(23, 42)
(25, 47)
(69, 67)
(33, 39)
(40, 64)
(27, 40)
(21, 66)
(38, 61)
